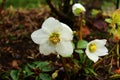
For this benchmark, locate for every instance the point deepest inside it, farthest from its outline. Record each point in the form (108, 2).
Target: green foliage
(44, 66)
(108, 20)
(4, 76)
(27, 71)
(43, 76)
(14, 74)
(116, 17)
(22, 3)
(95, 12)
(0, 1)
(82, 44)
(87, 68)
(38, 70)
(79, 51)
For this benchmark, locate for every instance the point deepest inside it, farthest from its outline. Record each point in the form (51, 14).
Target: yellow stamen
(54, 38)
(92, 47)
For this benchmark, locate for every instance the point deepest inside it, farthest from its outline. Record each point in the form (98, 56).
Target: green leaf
(91, 70)
(82, 44)
(82, 57)
(86, 71)
(31, 66)
(37, 78)
(95, 12)
(14, 74)
(44, 76)
(44, 66)
(108, 20)
(27, 72)
(79, 51)
(47, 68)
(116, 16)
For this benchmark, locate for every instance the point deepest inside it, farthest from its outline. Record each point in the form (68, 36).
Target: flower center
(92, 47)
(54, 38)
(78, 11)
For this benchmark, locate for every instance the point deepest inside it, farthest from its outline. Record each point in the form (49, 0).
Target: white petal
(92, 56)
(46, 48)
(65, 49)
(100, 43)
(51, 24)
(66, 32)
(39, 36)
(101, 51)
(78, 5)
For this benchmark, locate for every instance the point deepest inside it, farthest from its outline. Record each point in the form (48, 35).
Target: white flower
(77, 8)
(95, 49)
(53, 37)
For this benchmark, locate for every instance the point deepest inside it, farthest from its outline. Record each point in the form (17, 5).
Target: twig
(66, 6)
(55, 10)
(117, 4)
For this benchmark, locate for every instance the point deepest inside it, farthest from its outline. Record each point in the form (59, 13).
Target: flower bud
(77, 8)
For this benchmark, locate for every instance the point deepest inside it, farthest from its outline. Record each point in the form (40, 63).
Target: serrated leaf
(14, 74)
(82, 44)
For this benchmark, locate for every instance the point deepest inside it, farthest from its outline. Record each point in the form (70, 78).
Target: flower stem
(80, 27)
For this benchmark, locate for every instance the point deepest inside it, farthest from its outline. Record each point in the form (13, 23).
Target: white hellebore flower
(95, 49)
(77, 8)
(54, 37)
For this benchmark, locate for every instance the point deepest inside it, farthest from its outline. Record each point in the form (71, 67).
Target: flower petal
(66, 32)
(51, 24)
(39, 36)
(100, 43)
(92, 56)
(65, 49)
(101, 51)
(46, 48)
